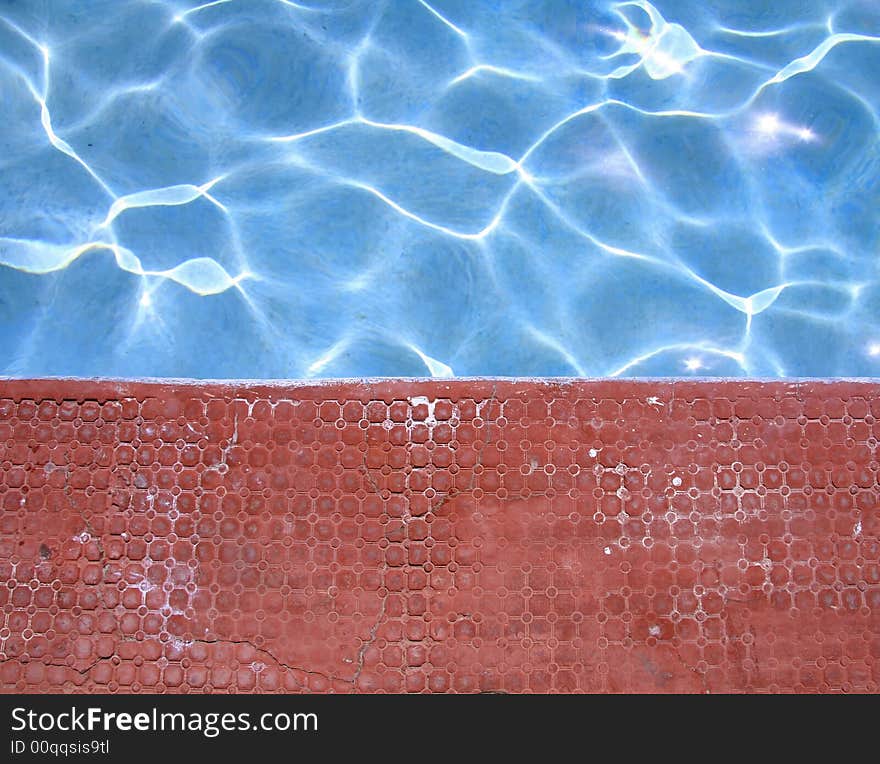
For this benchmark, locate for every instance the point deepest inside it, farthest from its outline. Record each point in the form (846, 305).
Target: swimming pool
(341, 188)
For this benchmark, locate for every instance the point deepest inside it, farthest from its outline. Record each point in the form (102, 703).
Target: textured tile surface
(432, 537)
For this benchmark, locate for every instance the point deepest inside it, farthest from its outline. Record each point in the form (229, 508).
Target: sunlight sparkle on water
(354, 189)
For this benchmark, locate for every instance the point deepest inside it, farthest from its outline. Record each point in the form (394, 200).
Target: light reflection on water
(356, 188)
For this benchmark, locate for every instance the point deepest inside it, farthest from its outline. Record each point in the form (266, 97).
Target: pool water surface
(278, 189)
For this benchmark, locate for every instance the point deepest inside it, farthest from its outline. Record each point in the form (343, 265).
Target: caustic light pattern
(455, 187)
(440, 537)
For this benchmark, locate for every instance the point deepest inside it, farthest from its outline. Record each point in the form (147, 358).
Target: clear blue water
(264, 188)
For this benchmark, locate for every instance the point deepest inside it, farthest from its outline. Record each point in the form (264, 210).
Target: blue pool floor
(268, 188)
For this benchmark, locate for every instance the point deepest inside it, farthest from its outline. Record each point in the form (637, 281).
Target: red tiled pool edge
(433, 536)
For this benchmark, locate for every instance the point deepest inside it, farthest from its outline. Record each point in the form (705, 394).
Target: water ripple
(349, 188)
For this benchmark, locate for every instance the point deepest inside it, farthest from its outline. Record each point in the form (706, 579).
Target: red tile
(466, 536)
